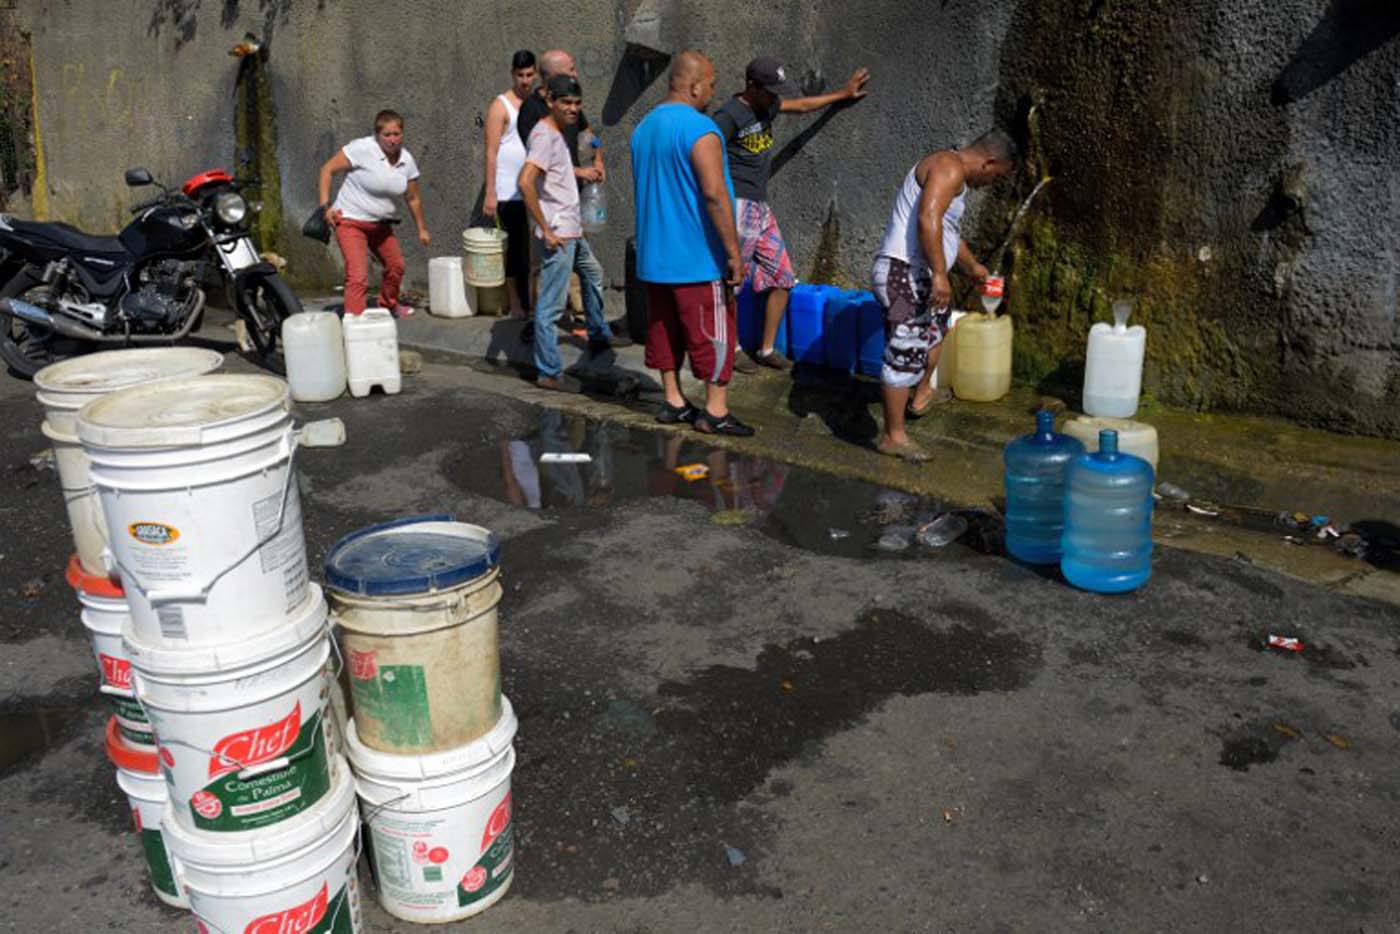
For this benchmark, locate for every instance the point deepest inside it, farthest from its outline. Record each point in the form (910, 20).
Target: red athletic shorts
(696, 319)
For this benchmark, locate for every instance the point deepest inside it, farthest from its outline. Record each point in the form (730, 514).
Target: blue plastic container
(841, 330)
(870, 322)
(806, 329)
(751, 310)
(1108, 520)
(1036, 465)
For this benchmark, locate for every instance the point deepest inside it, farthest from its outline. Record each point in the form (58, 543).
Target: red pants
(698, 319)
(357, 240)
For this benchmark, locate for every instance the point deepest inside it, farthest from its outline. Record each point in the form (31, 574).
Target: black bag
(316, 227)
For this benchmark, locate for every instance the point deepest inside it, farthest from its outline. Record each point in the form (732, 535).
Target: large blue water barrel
(1036, 466)
(806, 328)
(1108, 520)
(870, 322)
(841, 329)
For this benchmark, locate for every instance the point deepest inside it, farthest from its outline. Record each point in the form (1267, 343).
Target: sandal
(905, 450)
(939, 396)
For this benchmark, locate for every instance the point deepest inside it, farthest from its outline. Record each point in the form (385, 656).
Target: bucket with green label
(138, 775)
(104, 614)
(439, 825)
(295, 878)
(415, 603)
(243, 729)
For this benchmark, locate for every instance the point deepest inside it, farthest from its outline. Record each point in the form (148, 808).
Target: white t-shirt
(372, 183)
(901, 240)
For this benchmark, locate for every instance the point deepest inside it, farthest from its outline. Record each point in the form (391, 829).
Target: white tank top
(901, 239)
(510, 156)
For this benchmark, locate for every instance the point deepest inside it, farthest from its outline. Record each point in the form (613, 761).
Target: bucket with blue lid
(414, 602)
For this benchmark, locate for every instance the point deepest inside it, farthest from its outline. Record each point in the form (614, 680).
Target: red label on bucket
(363, 666)
(437, 855)
(253, 747)
(115, 671)
(498, 822)
(206, 805)
(299, 920)
(994, 286)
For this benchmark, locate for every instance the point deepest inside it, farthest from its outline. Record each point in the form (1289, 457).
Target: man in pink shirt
(551, 197)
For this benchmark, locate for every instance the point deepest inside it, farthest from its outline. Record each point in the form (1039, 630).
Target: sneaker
(772, 359)
(743, 363)
(561, 383)
(677, 415)
(400, 310)
(708, 424)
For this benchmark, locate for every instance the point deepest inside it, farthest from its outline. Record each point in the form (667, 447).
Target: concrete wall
(1258, 134)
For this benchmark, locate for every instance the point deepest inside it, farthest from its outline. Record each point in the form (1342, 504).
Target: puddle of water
(25, 734)
(798, 506)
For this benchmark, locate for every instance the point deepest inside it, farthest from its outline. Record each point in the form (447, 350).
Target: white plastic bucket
(199, 490)
(138, 776)
(1138, 438)
(440, 825)
(295, 878)
(243, 729)
(65, 387)
(104, 614)
(416, 605)
(485, 251)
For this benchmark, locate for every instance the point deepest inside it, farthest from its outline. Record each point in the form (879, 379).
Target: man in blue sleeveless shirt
(688, 246)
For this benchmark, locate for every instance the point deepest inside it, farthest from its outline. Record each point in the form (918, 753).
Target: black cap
(768, 73)
(563, 86)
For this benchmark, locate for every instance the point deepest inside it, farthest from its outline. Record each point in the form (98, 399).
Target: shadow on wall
(639, 67)
(1351, 30)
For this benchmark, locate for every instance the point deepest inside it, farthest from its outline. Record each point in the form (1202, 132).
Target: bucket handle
(178, 871)
(375, 806)
(287, 446)
(116, 692)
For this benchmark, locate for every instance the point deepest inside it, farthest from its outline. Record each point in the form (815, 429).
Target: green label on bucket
(396, 697)
(231, 803)
(156, 859)
(495, 865)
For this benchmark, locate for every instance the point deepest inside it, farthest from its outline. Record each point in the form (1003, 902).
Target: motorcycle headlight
(230, 207)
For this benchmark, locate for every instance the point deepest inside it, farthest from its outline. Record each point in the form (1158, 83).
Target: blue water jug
(1036, 465)
(751, 308)
(870, 318)
(841, 330)
(806, 334)
(1108, 520)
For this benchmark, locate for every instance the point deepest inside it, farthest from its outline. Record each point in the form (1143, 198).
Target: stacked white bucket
(63, 389)
(431, 743)
(229, 649)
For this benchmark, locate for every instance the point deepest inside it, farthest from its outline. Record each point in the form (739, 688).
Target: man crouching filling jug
(910, 276)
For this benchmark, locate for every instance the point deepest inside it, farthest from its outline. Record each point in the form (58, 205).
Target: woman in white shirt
(505, 157)
(377, 169)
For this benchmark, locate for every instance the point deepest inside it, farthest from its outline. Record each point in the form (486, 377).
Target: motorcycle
(66, 292)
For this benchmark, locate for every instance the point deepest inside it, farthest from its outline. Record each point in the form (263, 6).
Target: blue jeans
(555, 266)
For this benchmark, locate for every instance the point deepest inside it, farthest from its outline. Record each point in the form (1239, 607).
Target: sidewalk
(1247, 469)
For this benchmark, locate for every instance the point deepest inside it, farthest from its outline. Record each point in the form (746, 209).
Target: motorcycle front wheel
(27, 347)
(264, 302)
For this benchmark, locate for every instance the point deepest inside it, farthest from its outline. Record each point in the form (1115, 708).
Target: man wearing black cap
(746, 120)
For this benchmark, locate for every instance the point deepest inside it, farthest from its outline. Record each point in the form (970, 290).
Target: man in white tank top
(910, 276)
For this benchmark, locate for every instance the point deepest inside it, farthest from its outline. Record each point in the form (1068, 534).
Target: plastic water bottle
(593, 201)
(1036, 467)
(993, 290)
(1108, 520)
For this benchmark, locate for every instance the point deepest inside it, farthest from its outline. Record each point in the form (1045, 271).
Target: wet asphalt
(739, 713)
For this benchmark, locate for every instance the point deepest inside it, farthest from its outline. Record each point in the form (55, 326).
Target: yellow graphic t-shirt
(749, 145)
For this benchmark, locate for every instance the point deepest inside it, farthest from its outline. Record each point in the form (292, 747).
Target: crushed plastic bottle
(944, 530)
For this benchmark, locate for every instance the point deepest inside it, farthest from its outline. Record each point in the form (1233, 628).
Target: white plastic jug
(1137, 438)
(447, 295)
(372, 352)
(1113, 366)
(315, 355)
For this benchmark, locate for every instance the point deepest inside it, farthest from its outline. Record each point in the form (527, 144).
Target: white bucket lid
(183, 413)
(243, 848)
(305, 624)
(472, 757)
(70, 384)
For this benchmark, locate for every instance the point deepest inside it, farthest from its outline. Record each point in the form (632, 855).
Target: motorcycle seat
(66, 236)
